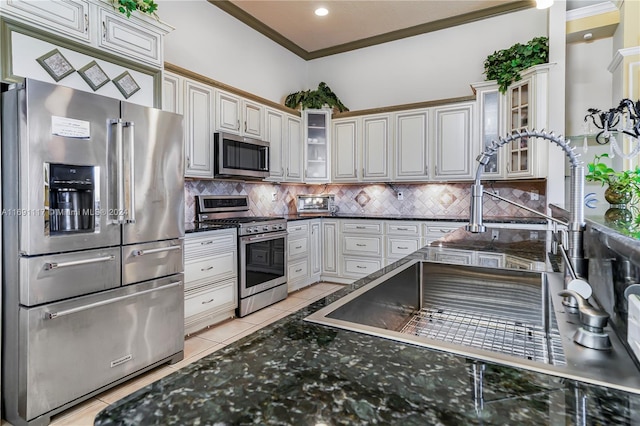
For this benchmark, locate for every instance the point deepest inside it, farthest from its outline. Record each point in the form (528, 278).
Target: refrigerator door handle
(119, 211)
(53, 315)
(131, 209)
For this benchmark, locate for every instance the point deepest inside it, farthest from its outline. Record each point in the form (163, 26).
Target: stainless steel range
(262, 249)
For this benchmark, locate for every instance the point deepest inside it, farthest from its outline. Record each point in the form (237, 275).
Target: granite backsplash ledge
(424, 199)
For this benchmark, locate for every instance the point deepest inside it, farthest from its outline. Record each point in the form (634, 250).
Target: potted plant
(127, 6)
(315, 99)
(505, 65)
(622, 186)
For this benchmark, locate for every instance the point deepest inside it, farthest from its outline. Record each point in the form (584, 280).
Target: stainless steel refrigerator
(93, 213)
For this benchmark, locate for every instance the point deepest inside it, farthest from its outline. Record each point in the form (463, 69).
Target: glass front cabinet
(317, 130)
(522, 107)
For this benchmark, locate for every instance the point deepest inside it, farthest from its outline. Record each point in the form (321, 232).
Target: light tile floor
(196, 346)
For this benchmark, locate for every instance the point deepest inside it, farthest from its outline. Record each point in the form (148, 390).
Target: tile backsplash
(427, 199)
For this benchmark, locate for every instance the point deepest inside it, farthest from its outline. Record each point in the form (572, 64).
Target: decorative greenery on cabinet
(505, 65)
(315, 99)
(127, 6)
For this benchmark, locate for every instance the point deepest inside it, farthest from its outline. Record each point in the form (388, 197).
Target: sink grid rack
(488, 332)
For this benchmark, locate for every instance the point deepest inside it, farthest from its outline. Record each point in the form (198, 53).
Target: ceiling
(355, 24)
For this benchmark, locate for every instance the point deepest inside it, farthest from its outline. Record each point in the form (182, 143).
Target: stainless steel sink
(511, 317)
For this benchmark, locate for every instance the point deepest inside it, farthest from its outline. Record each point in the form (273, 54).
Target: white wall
(212, 43)
(437, 65)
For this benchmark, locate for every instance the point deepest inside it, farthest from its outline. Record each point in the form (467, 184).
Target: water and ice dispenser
(71, 198)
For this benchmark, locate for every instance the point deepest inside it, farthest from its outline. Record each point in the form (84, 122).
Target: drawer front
(210, 298)
(214, 268)
(61, 276)
(362, 246)
(400, 247)
(440, 230)
(360, 267)
(297, 227)
(362, 227)
(298, 246)
(297, 270)
(141, 262)
(124, 37)
(403, 228)
(201, 244)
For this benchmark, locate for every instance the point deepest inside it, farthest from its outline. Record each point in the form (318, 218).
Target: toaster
(315, 204)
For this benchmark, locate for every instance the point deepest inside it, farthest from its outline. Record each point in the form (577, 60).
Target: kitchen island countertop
(296, 372)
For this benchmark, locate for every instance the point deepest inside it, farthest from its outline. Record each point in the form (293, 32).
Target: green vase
(618, 195)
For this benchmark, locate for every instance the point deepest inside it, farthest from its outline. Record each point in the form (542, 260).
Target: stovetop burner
(234, 210)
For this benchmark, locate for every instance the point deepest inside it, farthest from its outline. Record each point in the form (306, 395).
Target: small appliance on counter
(314, 204)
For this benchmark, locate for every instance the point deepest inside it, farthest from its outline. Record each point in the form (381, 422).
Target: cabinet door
(172, 93)
(198, 117)
(253, 115)
(329, 247)
(293, 149)
(66, 17)
(411, 148)
(128, 37)
(376, 148)
(275, 136)
(227, 112)
(454, 145)
(519, 151)
(316, 249)
(317, 140)
(345, 150)
(491, 108)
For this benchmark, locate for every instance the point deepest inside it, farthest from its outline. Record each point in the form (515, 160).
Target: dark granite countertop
(191, 227)
(488, 219)
(295, 372)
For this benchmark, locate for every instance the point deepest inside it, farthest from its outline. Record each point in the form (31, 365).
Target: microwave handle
(265, 166)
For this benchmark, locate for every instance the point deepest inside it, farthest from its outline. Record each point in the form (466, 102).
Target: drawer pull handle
(361, 267)
(403, 248)
(208, 301)
(56, 265)
(361, 227)
(207, 269)
(298, 247)
(155, 250)
(360, 245)
(298, 270)
(445, 231)
(206, 243)
(53, 315)
(402, 229)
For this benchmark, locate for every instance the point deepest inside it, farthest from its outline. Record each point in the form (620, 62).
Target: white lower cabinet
(211, 278)
(330, 232)
(361, 247)
(433, 231)
(402, 239)
(303, 252)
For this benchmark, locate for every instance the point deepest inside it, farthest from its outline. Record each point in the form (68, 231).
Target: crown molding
(589, 11)
(620, 55)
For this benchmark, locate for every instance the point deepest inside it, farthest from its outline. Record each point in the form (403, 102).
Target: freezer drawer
(69, 349)
(45, 279)
(142, 262)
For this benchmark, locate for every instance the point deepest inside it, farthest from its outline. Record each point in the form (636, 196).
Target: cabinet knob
(86, 23)
(238, 125)
(104, 30)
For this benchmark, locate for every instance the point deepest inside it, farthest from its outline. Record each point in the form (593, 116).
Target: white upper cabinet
(490, 122)
(138, 38)
(198, 123)
(240, 116)
(172, 93)
(69, 18)
(454, 141)
(317, 145)
(362, 149)
(345, 150)
(293, 149)
(376, 148)
(527, 108)
(411, 152)
(275, 136)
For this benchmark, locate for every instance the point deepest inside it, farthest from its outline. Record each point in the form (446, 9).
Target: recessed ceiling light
(321, 11)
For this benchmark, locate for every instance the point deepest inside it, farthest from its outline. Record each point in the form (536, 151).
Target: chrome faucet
(576, 264)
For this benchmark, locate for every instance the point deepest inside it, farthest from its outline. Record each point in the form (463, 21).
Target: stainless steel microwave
(241, 157)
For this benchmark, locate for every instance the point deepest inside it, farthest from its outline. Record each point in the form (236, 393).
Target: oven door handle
(263, 237)
(54, 315)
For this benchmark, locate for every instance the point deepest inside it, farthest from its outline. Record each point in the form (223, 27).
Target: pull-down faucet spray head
(576, 223)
